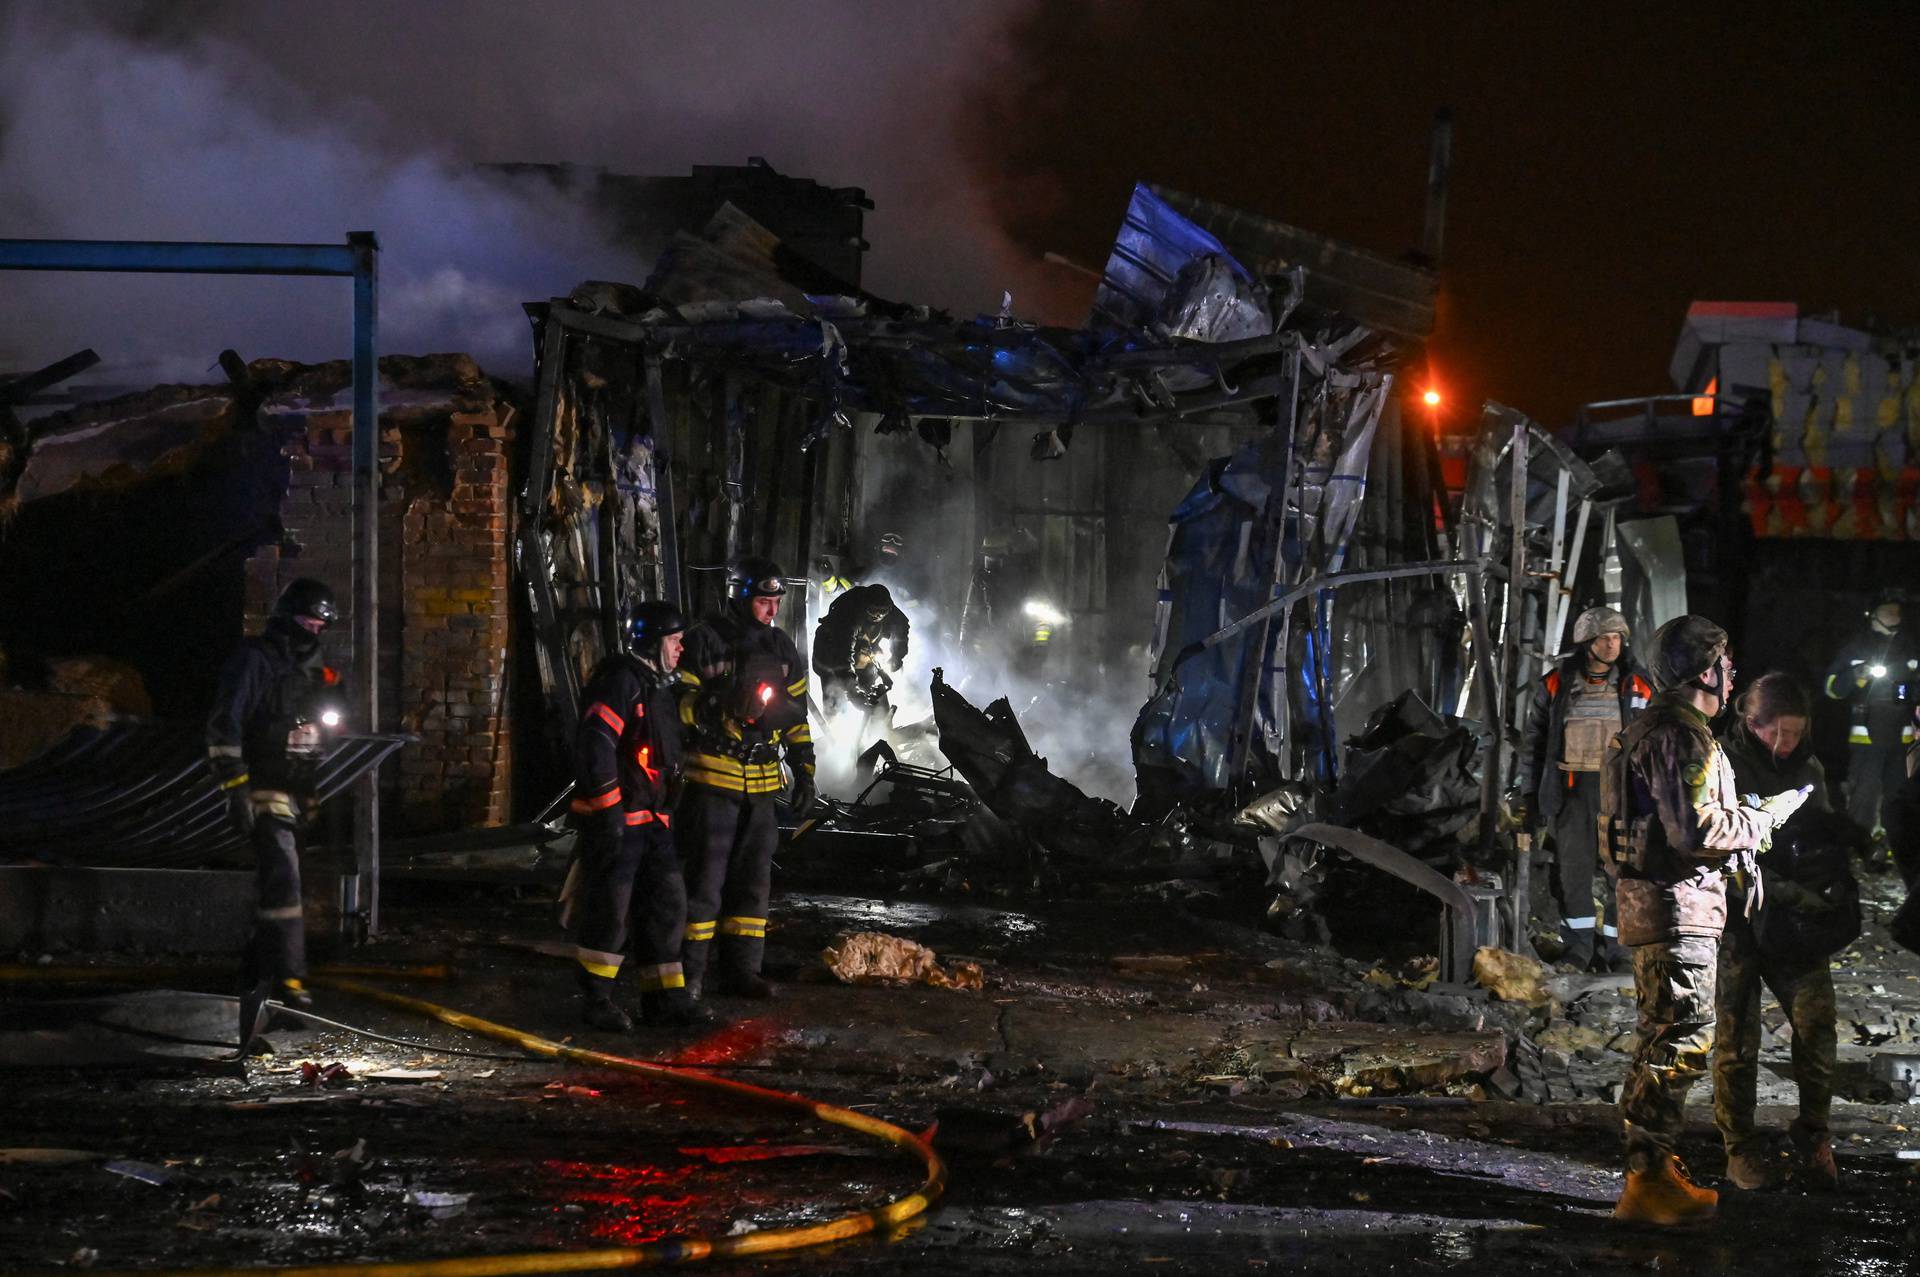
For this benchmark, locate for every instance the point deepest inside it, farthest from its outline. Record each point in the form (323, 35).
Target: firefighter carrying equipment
(1878, 676)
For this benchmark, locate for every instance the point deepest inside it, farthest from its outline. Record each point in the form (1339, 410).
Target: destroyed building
(147, 531)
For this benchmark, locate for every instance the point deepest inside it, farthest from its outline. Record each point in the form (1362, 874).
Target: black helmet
(1684, 649)
(650, 622)
(879, 601)
(307, 597)
(755, 578)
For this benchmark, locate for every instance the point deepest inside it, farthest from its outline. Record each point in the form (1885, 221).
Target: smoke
(220, 120)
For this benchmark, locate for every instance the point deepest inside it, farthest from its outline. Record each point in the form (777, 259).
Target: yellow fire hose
(655, 1254)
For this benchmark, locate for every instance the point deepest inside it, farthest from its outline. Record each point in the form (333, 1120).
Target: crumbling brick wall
(446, 435)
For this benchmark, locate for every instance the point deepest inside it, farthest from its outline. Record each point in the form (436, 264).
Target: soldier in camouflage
(1674, 827)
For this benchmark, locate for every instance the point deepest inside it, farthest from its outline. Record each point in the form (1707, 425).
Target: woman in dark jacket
(1768, 748)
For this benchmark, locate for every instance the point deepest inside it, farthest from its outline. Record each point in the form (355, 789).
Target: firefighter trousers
(278, 949)
(1673, 983)
(1874, 773)
(1576, 871)
(631, 889)
(1806, 995)
(729, 840)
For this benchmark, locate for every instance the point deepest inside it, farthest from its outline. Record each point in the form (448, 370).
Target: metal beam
(1459, 934)
(178, 257)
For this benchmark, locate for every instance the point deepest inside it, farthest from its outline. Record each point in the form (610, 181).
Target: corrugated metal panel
(140, 795)
(1392, 296)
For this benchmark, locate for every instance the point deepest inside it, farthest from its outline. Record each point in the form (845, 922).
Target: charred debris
(1199, 602)
(1316, 662)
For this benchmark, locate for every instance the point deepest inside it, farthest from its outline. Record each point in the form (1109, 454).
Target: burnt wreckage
(1335, 644)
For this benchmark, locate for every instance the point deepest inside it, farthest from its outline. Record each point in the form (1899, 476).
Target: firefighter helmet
(1596, 622)
(1686, 648)
(650, 622)
(879, 602)
(309, 598)
(755, 578)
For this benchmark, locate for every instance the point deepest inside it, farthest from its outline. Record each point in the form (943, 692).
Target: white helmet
(1596, 621)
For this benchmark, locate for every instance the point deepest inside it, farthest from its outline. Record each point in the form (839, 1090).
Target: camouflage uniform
(1682, 822)
(1805, 992)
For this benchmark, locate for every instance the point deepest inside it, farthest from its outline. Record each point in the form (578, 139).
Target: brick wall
(444, 509)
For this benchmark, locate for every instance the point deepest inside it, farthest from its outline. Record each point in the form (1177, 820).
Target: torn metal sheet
(140, 795)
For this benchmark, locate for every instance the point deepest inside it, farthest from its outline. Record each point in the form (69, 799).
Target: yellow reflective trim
(600, 969)
(797, 689)
(236, 782)
(293, 986)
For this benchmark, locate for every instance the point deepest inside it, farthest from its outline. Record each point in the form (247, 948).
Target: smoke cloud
(221, 120)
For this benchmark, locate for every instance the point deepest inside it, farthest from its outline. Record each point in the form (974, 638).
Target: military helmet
(652, 621)
(1597, 622)
(309, 598)
(755, 578)
(1684, 649)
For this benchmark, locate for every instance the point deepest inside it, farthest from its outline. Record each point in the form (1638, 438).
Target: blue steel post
(366, 562)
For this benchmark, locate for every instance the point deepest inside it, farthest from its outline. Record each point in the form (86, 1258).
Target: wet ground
(1245, 1105)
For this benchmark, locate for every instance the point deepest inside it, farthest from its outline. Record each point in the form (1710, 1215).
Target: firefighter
(1577, 708)
(1767, 748)
(1875, 675)
(266, 736)
(627, 879)
(744, 706)
(858, 645)
(1673, 828)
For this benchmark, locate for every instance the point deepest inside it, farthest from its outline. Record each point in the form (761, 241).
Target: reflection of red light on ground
(647, 1219)
(612, 1173)
(738, 1041)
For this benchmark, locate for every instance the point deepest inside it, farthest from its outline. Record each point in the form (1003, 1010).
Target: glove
(805, 793)
(240, 810)
(1779, 808)
(1521, 810)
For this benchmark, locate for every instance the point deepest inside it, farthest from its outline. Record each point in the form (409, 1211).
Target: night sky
(1611, 163)
(1608, 168)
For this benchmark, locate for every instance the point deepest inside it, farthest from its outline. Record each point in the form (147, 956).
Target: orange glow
(1703, 403)
(1431, 399)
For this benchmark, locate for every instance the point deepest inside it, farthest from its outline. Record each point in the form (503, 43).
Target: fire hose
(654, 1254)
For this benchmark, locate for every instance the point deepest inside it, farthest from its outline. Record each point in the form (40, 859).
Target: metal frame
(357, 259)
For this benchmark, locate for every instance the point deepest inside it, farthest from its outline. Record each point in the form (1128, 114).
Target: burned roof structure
(740, 398)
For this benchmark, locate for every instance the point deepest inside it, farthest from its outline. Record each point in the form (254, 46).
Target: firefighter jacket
(626, 750)
(743, 704)
(1549, 752)
(1881, 713)
(265, 730)
(1670, 790)
(848, 639)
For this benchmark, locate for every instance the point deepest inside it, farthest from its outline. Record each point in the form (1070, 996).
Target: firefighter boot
(675, 1009)
(1814, 1168)
(598, 1008)
(739, 973)
(1753, 1167)
(693, 963)
(1664, 1194)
